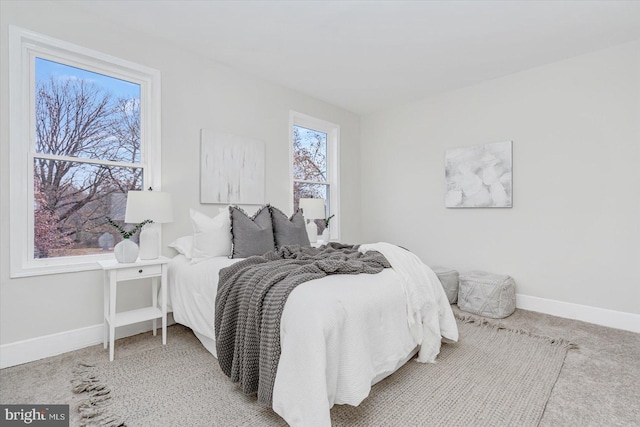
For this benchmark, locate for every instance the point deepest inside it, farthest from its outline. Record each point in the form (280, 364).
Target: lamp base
(312, 232)
(149, 243)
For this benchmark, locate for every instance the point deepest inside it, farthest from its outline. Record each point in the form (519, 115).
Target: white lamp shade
(312, 208)
(153, 205)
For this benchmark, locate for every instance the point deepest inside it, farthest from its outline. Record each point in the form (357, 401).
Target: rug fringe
(94, 410)
(496, 324)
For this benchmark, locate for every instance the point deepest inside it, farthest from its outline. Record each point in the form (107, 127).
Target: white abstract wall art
(231, 169)
(479, 176)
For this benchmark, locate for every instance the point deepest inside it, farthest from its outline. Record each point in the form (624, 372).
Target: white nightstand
(115, 272)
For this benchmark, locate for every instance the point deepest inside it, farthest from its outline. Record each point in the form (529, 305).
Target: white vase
(326, 235)
(126, 251)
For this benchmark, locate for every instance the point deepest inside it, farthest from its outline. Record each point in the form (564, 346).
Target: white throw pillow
(211, 236)
(183, 245)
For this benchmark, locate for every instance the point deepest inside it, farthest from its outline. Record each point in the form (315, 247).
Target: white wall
(573, 234)
(196, 93)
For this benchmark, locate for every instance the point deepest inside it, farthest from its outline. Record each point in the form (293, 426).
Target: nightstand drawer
(138, 272)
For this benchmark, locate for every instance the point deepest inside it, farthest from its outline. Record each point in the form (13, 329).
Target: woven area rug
(491, 377)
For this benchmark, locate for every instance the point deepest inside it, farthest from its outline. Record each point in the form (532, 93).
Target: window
(314, 165)
(84, 131)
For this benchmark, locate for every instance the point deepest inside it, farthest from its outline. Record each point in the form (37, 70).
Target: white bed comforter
(192, 293)
(340, 334)
(428, 311)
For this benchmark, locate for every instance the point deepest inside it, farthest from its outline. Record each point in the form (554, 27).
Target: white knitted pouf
(449, 279)
(487, 294)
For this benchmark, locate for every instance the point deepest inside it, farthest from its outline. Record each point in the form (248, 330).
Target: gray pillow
(289, 231)
(251, 236)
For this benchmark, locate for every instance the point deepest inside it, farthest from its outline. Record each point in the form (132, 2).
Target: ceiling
(369, 55)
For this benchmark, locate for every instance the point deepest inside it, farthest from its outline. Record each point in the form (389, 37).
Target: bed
(339, 335)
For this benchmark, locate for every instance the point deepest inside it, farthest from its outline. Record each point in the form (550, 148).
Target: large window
(314, 166)
(84, 131)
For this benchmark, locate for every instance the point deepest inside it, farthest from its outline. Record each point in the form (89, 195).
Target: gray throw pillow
(289, 231)
(251, 236)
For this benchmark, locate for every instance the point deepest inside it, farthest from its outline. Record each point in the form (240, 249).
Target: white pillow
(211, 236)
(183, 245)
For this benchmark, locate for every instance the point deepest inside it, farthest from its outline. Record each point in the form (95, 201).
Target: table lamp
(153, 205)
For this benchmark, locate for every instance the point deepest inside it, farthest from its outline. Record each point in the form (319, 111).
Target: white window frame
(333, 162)
(24, 47)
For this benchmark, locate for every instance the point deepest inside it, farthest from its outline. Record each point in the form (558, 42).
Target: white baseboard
(29, 350)
(585, 313)
(17, 353)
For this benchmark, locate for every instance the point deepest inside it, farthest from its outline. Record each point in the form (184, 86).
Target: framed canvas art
(231, 169)
(479, 176)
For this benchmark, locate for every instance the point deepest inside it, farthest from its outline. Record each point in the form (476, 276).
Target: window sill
(59, 266)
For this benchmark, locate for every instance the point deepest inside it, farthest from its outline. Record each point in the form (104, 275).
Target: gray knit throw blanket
(250, 300)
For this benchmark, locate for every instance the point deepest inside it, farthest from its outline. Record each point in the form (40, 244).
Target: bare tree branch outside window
(87, 148)
(310, 167)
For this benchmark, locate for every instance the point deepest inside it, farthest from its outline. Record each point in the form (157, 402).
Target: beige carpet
(597, 386)
(492, 377)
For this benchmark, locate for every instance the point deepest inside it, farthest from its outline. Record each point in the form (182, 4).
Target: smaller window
(314, 166)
